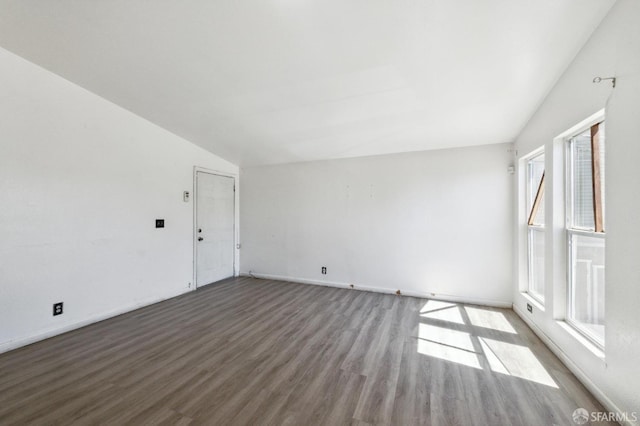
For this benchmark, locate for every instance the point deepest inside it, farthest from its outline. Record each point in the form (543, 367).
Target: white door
(215, 214)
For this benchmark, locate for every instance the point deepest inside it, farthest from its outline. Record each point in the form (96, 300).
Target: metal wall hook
(599, 79)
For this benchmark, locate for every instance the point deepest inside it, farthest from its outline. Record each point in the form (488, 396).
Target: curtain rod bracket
(599, 79)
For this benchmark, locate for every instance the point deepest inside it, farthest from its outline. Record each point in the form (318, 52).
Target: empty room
(320, 212)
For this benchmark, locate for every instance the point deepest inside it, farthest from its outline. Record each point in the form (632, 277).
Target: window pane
(582, 186)
(535, 171)
(586, 304)
(536, 263)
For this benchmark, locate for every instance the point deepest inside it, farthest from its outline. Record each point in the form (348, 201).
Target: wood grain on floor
(252, 352)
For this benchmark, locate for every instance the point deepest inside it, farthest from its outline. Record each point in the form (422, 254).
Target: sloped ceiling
(276, 81)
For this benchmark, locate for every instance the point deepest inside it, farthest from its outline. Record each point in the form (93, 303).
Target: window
(585, 232)
(535, 226)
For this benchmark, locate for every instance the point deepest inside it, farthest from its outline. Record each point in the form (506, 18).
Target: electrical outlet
(57, 309)
(529, 308)
(324, 270)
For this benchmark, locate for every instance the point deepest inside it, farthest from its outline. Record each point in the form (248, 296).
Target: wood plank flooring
(253, 352)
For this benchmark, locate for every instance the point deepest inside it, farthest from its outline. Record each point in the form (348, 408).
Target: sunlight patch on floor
(515, 360)
(450, 345)
(435, 305)
(489, 319)
(451, 314)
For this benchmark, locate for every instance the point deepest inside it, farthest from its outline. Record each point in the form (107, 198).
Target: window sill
(533, 301)
(592, 347)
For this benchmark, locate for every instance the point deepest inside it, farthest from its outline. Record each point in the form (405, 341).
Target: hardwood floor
(251, 352)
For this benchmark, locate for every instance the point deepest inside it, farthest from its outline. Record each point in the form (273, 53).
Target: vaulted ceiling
(275, 81)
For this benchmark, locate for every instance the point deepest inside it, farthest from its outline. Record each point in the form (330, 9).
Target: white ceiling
(275, 81)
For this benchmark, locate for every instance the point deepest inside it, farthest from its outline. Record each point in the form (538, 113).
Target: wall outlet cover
(57, 309)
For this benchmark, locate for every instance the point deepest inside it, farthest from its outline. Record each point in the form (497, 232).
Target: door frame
(236, 231)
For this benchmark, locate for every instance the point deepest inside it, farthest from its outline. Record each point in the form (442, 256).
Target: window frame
(532, 228)
(571, 230)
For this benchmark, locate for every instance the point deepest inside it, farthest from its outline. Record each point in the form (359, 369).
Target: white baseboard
(18, 343)
(577, 371)
(434, 296)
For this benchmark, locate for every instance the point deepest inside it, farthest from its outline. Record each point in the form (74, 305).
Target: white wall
(614, 49)
(81, 184)
(427, 223)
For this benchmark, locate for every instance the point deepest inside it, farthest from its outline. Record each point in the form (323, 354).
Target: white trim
(596, 350)
(434, 296)
(582, 126)
(587, 233)
(570, 228)
(535, 302)
(563, 139)
(236, 221)
(24, 341)
(524, 258)
(564, 358)
(531, 155)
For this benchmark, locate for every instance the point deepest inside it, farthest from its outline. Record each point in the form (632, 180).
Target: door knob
(200, 238)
